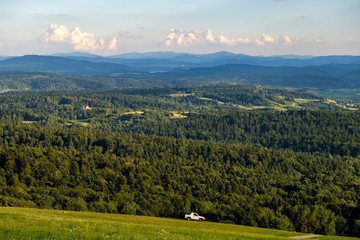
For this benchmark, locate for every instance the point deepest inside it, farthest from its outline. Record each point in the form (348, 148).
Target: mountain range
(286, 71)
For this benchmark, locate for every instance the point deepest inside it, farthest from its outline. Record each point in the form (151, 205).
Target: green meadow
(28, 223)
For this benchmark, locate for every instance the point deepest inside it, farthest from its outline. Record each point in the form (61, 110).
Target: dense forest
(252, 155)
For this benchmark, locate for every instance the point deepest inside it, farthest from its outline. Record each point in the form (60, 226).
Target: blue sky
(108, 27)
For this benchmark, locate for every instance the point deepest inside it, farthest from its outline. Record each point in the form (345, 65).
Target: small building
(85, 107)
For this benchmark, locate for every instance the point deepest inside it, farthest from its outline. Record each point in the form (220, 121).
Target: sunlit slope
(26, 223)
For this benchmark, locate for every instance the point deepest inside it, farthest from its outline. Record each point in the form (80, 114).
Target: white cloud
(259, 43)
(209, 36)
(234, 41)
(81, 41)
(112, 43)
(286, 40)
(243, 40)
(55, 34)
(182, 38)
(226, 40)
(170, 37)
(179, 37)
(267, 38)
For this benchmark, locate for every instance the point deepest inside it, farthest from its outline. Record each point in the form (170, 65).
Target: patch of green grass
(302, 100)
(6, 90)
(27, 223)
(83, 122)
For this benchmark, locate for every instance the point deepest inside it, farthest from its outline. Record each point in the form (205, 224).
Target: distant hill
(324, 76)
(167, 61)
(61, 65)
(175, 69)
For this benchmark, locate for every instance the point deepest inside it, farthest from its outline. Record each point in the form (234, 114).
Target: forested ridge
(78, 169)
(165, 151)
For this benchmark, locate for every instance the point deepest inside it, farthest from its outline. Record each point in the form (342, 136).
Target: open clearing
(174, 95)
(132, 112)
(178, 115)
(27, 223)
(303, 100)
(82, 122)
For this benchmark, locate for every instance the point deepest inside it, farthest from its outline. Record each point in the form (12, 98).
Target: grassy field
(26, 223)
(82, 122)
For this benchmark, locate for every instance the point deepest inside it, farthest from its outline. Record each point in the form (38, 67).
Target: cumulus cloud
(81, 41)
(266, 38)
(259, 42)
(179, 37)
(234, 41)
(209, 36)
(286, 40)
(170, 37)
(55, 34)
(112, 43)
(183, 38)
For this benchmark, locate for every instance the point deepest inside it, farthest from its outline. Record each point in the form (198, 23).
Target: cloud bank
(183, 38)
(81, 41)
(179, 37)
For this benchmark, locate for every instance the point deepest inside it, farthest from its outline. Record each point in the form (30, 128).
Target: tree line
(83, 169)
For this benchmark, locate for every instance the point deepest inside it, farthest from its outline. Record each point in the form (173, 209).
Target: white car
(194, 216)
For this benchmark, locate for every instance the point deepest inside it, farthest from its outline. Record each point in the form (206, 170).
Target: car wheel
(200, 220)
(188, 219)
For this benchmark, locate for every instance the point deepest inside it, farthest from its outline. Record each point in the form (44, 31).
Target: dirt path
(306, 236)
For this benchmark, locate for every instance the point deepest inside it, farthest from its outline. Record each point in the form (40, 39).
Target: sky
(110, 27)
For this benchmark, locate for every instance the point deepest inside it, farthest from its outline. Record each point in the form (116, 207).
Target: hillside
(33, 81)
(166, 61)
(60, 65)
(21, 223)
(323, 77)
(162, 152)
(328, 72)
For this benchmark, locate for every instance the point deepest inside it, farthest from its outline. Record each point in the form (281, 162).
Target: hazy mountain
(4, 57)
(148, 55)
(76, 54)
(329, 70)
(324, 76)
(61, 65)
(166, 61)
(337, 72)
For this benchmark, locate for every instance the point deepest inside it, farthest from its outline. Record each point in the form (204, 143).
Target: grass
(178, 115)
(27, 223)
(210, 99)
(302, 100)
(174, 95)
(82, 122)
(132, 112)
